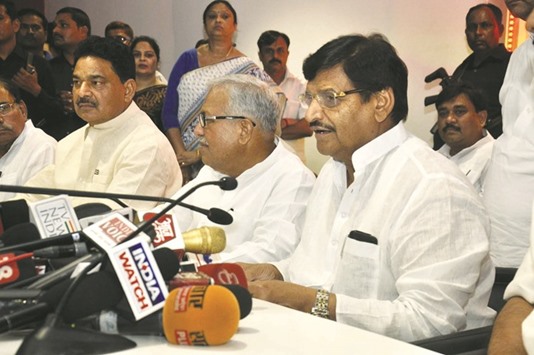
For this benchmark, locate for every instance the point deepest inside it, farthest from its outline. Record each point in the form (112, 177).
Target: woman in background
(150, 90)
(190, 76)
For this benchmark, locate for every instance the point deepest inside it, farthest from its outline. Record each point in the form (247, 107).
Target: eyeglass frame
(12, 108)
(202, 117)
(304, 101)
(122, 39)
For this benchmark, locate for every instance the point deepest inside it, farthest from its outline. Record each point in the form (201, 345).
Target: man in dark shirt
(72, 26)
(486, 66)
(31, 75)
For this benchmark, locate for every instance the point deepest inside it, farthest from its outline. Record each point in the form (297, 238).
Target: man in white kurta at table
(509, 184)
(120, 150)
(24, 149)
(237, 132)
(462, 115)
(273, 49)
(395, 238)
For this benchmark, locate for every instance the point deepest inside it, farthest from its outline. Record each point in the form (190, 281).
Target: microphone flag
(53, 216)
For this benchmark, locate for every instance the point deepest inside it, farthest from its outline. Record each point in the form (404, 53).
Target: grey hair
(250, 97)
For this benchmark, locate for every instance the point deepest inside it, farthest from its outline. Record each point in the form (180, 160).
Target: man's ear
(130, 86)
(482, 117)
(385, 101)
(246, 129)
(23, 108)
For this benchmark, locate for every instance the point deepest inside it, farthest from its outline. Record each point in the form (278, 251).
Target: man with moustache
(24, 149)
(395, 239)
(71, 27)
(273, 52)
(33, 32)
(462, 114)
(119, 150)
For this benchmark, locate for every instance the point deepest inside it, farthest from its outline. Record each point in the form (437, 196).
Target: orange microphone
(200, 315)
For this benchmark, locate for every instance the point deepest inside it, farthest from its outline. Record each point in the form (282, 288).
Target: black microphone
(62, 251)
(38, 243)
(216, 215)
(20, 233)
(225, 183)
(97, 291)
(13, 212)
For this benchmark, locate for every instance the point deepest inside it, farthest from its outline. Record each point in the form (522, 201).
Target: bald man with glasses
(395, 239)
(237, 125)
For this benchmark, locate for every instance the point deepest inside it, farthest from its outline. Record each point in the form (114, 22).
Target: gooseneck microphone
(225, 183)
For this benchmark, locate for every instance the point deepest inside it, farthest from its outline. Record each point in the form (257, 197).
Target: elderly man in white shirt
(237, 131)
(120, 150)
(24, 149)
(462, 115)
(395, 238)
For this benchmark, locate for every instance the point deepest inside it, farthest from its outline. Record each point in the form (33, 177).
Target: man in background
(462, 115)
(71, 27)
(273, 52)
(120, 31)
(33, 32)
(24, 149)
(486, 66)
(31, 74)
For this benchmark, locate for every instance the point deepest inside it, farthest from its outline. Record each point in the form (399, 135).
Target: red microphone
(225, 274)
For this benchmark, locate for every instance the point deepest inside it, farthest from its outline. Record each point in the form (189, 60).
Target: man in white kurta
(32, 151)
(395, 238)
(509, 185)
(120, 150)
(273, 184)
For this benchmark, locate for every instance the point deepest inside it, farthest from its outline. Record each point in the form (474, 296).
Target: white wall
(428, 34)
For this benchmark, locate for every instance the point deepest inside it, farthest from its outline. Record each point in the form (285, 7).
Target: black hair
(29, 11)
(456, 88)
(11, 88)
(119, 55)
(268, 37)
(213, 3)
(494, 9)
(148, 40)
(119, 25)
(10, 8)
(79, 16)
(370, 62)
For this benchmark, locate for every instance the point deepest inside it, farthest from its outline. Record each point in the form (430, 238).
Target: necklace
(226, 56)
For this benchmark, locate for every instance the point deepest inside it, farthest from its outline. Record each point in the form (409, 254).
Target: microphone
(225, 274)
(15, 271)
(20, 233)
(12, 213)
(110, 322)
(96, 292)
(91, 209)
(200, 315)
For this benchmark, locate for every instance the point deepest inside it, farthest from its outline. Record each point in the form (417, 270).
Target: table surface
(271, 329)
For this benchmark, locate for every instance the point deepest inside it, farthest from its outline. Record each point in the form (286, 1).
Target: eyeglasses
(6, 108)
(202, 118)
(122, 39)
(327, 98)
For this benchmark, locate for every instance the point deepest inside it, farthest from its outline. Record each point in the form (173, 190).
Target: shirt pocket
(101, 181)
(358, 274)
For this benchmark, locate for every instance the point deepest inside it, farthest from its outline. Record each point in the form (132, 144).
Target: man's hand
(261, 272)
(284, 293)
(27, 81)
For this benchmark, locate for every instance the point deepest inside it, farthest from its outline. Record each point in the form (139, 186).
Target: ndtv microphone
(200, 315)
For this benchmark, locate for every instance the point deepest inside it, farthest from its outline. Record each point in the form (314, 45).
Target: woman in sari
(190, 76)
(150, 90)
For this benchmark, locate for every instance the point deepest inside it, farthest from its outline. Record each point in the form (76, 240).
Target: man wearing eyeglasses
(120, 31)
(395, 239)
(24, 149)
(237, 128)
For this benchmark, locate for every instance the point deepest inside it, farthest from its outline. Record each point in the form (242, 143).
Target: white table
(272, 329)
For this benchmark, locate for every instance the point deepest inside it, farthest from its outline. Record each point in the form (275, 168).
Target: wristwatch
(321, 304)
